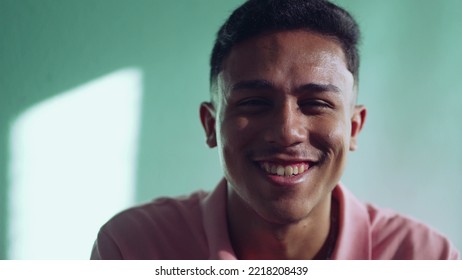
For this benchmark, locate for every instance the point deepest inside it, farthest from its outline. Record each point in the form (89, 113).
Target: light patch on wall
(73, 165)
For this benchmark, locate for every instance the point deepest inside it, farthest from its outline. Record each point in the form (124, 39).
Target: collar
(354, 235)
(216, 225)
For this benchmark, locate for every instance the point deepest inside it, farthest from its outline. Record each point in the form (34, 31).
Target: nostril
(286, 135)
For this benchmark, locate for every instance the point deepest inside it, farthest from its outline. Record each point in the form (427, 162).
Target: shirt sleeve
(454, 255)
(105, 248)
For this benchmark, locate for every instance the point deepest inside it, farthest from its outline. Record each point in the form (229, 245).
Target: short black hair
(256, 17)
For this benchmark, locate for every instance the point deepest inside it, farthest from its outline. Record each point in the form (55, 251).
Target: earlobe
(207, 115)
(357, 122)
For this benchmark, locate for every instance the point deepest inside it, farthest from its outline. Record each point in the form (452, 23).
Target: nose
(287, 126)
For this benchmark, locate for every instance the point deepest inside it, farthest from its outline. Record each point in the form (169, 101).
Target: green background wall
(409, 157)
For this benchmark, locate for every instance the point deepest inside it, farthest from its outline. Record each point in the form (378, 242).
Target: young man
(283, 116)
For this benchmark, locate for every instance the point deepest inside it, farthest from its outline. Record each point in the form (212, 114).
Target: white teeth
(267, 167)
(286, 171)
(295, 170)
(280, 171)
(274, 169)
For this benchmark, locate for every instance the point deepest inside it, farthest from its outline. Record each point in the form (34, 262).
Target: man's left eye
(315, 106)
(314, 103)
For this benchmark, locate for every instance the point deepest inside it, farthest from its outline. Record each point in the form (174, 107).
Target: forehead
(288, 58)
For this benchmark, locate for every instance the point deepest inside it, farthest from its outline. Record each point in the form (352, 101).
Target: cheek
(233, 138)
(340, 134)
(233, 131)
(331, 136)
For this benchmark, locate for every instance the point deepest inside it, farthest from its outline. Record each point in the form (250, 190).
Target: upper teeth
(288, 170)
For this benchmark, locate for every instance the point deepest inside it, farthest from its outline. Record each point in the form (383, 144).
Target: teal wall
(409, 157)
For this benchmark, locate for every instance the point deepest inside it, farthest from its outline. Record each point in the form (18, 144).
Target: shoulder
(166, 228)
(163, 210)
(396, 236)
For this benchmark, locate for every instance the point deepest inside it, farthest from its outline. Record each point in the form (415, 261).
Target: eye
(253, 105)
(315, 105)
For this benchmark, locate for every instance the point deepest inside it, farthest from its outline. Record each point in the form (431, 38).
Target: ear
(207, 115)
(357, 123)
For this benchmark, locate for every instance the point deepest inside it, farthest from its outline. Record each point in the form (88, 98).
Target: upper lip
(291, 155)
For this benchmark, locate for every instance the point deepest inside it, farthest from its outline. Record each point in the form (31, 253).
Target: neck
(312, 237)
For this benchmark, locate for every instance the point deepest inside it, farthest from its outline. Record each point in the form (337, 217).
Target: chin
(285, 212)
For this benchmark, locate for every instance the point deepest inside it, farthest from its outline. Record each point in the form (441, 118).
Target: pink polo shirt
(195, 227)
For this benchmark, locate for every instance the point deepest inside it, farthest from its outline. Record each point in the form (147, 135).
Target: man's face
(284, 120)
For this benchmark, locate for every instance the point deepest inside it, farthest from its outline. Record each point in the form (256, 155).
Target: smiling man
(283, 116)
(283, 119)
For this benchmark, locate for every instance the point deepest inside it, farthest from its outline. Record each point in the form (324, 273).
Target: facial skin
(285, 100)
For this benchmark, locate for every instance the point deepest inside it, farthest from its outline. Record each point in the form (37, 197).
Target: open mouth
(284, 170)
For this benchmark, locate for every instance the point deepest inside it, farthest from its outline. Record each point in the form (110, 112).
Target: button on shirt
(195, 227)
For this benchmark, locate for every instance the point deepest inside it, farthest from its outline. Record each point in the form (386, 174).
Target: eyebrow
(252, 85)
(265, 84)
(313, 87)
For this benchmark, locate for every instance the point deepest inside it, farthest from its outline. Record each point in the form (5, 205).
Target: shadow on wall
(68, 155)
(48, 130)
(49, 47)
